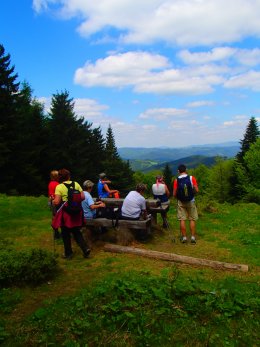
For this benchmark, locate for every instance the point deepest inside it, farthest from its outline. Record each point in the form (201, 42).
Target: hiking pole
(54, 244)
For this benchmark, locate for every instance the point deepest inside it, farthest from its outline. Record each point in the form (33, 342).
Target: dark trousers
(66, 236)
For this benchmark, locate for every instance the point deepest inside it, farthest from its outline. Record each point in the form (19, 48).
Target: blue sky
(162, 73)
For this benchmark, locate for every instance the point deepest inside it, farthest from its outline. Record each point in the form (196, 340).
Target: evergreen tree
(251, 135)
(119, 171)
(237, 177)
(31, 145)
(74, 144)
(111, 150)
(252, 182)
(9, 93)
(167, 174)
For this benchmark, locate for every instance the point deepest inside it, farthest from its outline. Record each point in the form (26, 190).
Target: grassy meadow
(125, 300)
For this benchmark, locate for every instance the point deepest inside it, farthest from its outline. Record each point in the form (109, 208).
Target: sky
(169, 73)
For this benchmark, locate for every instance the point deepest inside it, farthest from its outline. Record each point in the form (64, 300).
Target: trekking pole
(54, 244)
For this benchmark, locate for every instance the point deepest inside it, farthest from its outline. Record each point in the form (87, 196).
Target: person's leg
(183, 227)
(193, 216)
(65, 233)
(81, 242)
(193, 228)
(182, 216)
(164, 218)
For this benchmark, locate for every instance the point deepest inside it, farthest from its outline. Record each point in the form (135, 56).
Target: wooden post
(176, 258)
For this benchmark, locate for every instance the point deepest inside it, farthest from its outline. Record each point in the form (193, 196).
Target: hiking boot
(183, 239)
(86, 253)
(193, 240)
(68, 257)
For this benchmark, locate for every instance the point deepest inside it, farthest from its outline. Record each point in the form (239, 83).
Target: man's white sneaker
(193, 240)
(183, 239)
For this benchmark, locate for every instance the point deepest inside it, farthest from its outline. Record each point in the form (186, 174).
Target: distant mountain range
(147, 159)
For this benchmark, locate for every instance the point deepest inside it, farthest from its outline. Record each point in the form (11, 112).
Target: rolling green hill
(191, 162)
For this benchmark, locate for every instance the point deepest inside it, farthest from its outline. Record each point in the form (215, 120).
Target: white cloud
(248, 80)
(200, 103)
(148, 73)
(189, 22)
(90, 109)
(160, 114)
(215, 55)
(247, 57)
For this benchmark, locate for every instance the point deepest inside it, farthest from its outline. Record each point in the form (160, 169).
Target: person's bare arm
(167, 191)
(57, 200)
(96, 205)
(110, 191)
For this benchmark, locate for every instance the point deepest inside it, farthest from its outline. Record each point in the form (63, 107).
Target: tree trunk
(176, 258)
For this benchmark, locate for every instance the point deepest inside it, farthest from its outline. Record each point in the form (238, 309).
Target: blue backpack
(184, 189)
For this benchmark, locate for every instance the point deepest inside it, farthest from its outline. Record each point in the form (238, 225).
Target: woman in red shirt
(54, 181)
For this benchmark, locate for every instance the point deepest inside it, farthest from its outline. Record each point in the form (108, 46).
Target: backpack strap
(68, 185)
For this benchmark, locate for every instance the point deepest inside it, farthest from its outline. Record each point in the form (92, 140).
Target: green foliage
(143, 310)
(219, 180)
(26, 267)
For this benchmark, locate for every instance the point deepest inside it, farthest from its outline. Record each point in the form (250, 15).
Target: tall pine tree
(237, 179)
(167, 174)
(251, 135)
(9, 93)
(118, 170)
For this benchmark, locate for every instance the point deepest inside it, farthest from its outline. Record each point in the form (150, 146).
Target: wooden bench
(162, 210)
(153, 207)
(124, 233)
(130, 224)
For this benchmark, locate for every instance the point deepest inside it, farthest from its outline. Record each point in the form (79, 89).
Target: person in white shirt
(134, 205)
(160, 190)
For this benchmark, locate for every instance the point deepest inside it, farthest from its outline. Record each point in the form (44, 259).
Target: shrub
(26, 267)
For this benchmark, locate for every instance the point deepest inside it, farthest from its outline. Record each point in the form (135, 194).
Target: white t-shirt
(133, 205)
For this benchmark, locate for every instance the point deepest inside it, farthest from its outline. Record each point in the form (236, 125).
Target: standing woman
(161, 192)
(54, 181)
(71, 223)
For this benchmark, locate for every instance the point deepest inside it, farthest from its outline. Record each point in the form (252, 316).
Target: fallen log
(175, 258)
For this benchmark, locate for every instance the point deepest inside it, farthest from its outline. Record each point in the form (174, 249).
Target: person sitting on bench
(103, 190)
(134, 205)
(89, 206)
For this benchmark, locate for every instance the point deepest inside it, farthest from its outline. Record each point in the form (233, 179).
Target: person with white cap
(89, 206)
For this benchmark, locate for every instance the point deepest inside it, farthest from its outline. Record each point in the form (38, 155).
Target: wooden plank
(132, 224)
(176, 258)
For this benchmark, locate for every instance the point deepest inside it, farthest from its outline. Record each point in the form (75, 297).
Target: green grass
(124, 300)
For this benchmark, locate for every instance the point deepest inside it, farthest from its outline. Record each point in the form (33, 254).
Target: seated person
(134, 205)
(103, 189)
(88, 204)
(160, 190)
